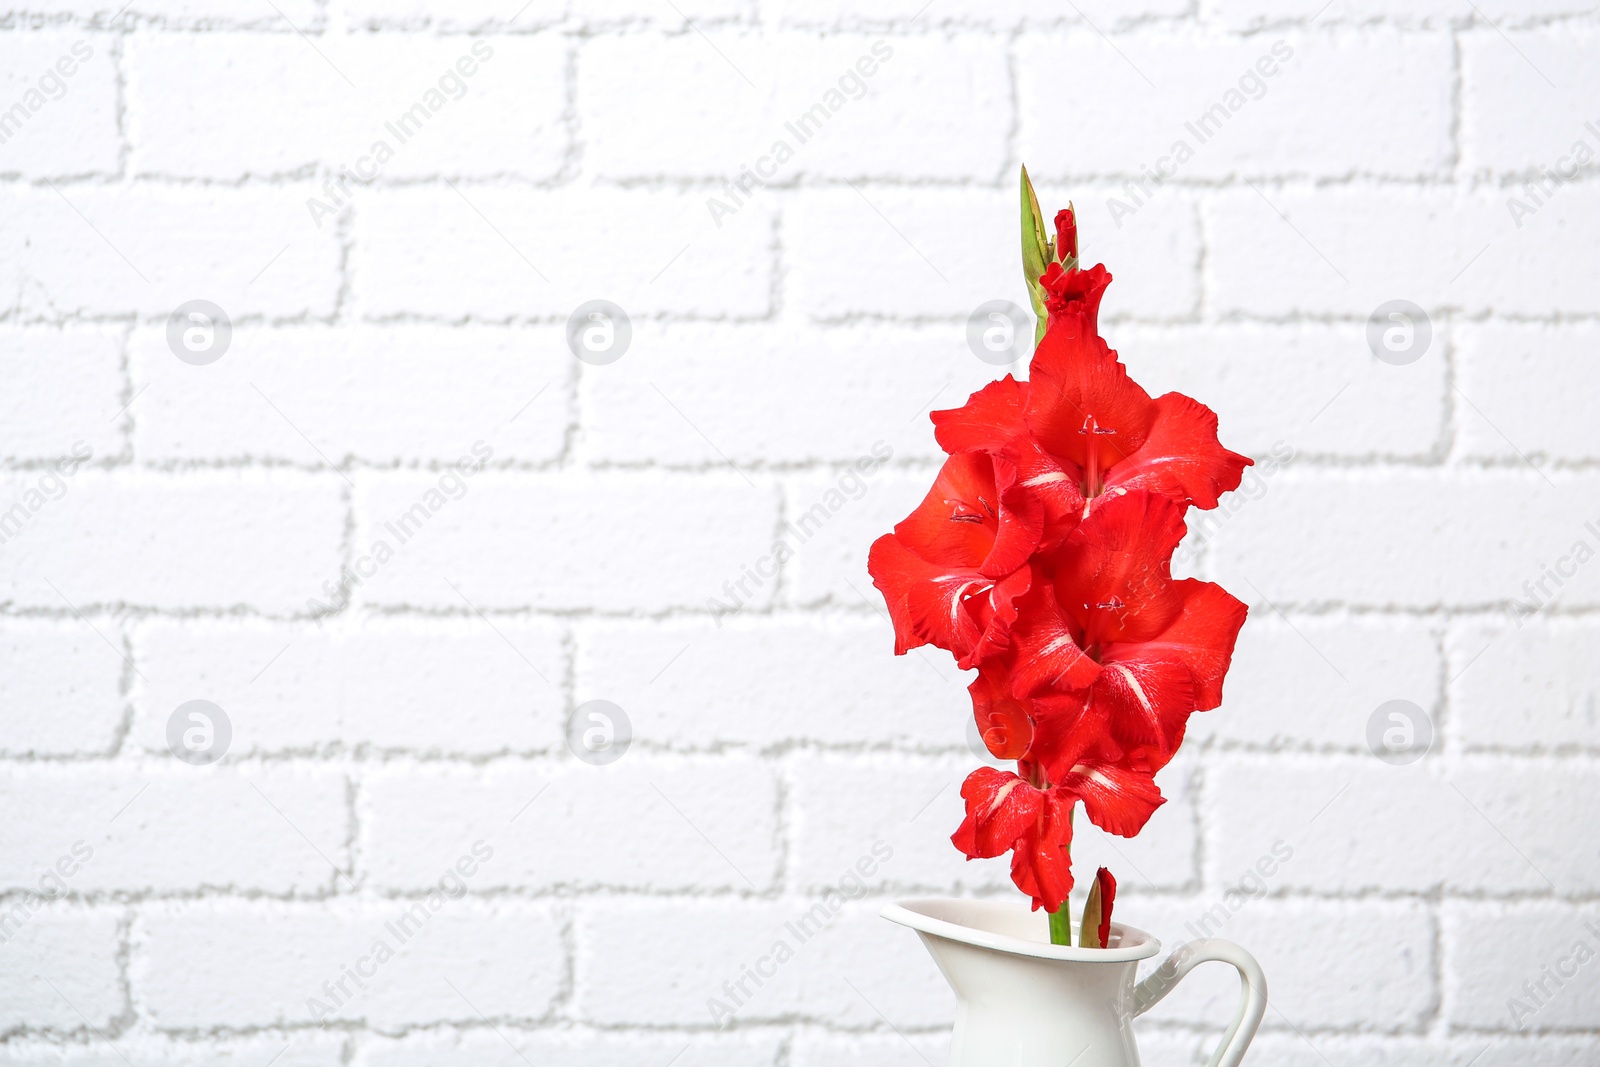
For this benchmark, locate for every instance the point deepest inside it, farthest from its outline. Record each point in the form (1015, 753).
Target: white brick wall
(231, 532)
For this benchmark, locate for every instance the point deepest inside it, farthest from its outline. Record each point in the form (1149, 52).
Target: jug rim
(975, 922)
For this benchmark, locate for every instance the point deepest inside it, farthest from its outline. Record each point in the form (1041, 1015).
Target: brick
(1525, 686)
(830, 557)
(1357, 249)
(902, 252)
(244, 249)
(505, 117)
(788, 105)
(858, 692)
(76, 951)
(1502, 131)
(1246, 13)
(295, 949)
(529, 252)
(591, 1048)
(1380, 980)
(822, 1049)
(1312, 389)
(1522, 386)
(813, 1049)
(61, 688)
(605, 12)
(694, 395)
(965, 12)
(849, 808)
(941, 253)
(1451, 537)
(1538, 974)
(143, 1050)
(422, 685)
(421, 394)
(487, 14)
(175, 541)
(643, 823)
(1358, 824)
(884, 823)
(1154, 255)
(1340, 668)
(581, 529)
(174, 828)
(1296, 1050)
(72, 395)
(1203, 108)
(655, 963)
(190, 13)
(55, 82)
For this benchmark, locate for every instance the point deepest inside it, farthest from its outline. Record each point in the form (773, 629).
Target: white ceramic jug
(1023, 1002)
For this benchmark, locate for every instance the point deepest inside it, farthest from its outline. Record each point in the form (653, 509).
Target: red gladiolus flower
(1080, 428)
(991, 422)
(951, 570)
(1073, 296)
(1042, 557)
(1004, 722)
(1066, 234)
(1113, 625)
(1005, 813)
(1085, 411)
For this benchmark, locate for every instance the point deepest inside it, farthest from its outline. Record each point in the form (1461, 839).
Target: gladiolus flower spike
(1041, 558)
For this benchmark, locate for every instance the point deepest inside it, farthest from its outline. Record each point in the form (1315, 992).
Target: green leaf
(1037, 251)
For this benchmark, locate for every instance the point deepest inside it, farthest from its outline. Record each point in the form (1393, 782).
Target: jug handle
(1252, 999)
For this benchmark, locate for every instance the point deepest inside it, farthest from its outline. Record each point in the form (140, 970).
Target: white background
(773, 746)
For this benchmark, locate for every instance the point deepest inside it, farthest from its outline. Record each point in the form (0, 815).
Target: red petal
(1000, 808)
(924, 600)
(1066, 233)
(995, 613)
(1004, 812)
(1108, 896)
(1041, 866)
(1054, 484)
(969, 520)
(1002, 719)
(1046, 639)
(1201, 638)
(1116, 799)
(955, 524)
(1181, 458)
(991, 417)
(1114, 573)
(1067, 729)
(1075, 378)
(939, 613)
(1075, 294)
(1146, 698)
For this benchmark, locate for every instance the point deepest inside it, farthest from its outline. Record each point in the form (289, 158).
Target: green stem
(1061, 924)
(1061, 918)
